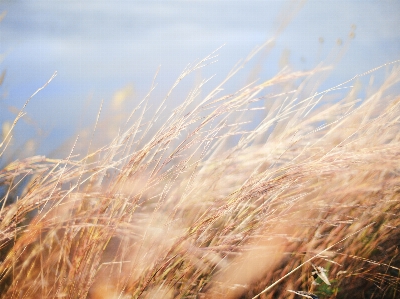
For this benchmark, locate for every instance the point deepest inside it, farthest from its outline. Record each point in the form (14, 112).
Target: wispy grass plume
(261, 193)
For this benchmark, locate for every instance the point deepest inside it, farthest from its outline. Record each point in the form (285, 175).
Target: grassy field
(277, 190)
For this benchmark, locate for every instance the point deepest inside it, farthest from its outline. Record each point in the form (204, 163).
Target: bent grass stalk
(307, 261)
(215, 199)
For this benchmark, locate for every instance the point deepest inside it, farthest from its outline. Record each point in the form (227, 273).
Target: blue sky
(98, 47)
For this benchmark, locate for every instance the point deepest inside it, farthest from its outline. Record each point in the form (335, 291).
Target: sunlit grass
(264, 192)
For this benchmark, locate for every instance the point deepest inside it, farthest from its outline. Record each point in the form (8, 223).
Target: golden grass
(194, 204)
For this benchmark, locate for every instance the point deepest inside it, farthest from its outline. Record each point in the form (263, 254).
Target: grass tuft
(262, 193)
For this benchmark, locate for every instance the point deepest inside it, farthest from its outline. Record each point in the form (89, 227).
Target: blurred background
(101, 47)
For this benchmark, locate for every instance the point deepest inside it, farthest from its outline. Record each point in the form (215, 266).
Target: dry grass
(194, 204)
